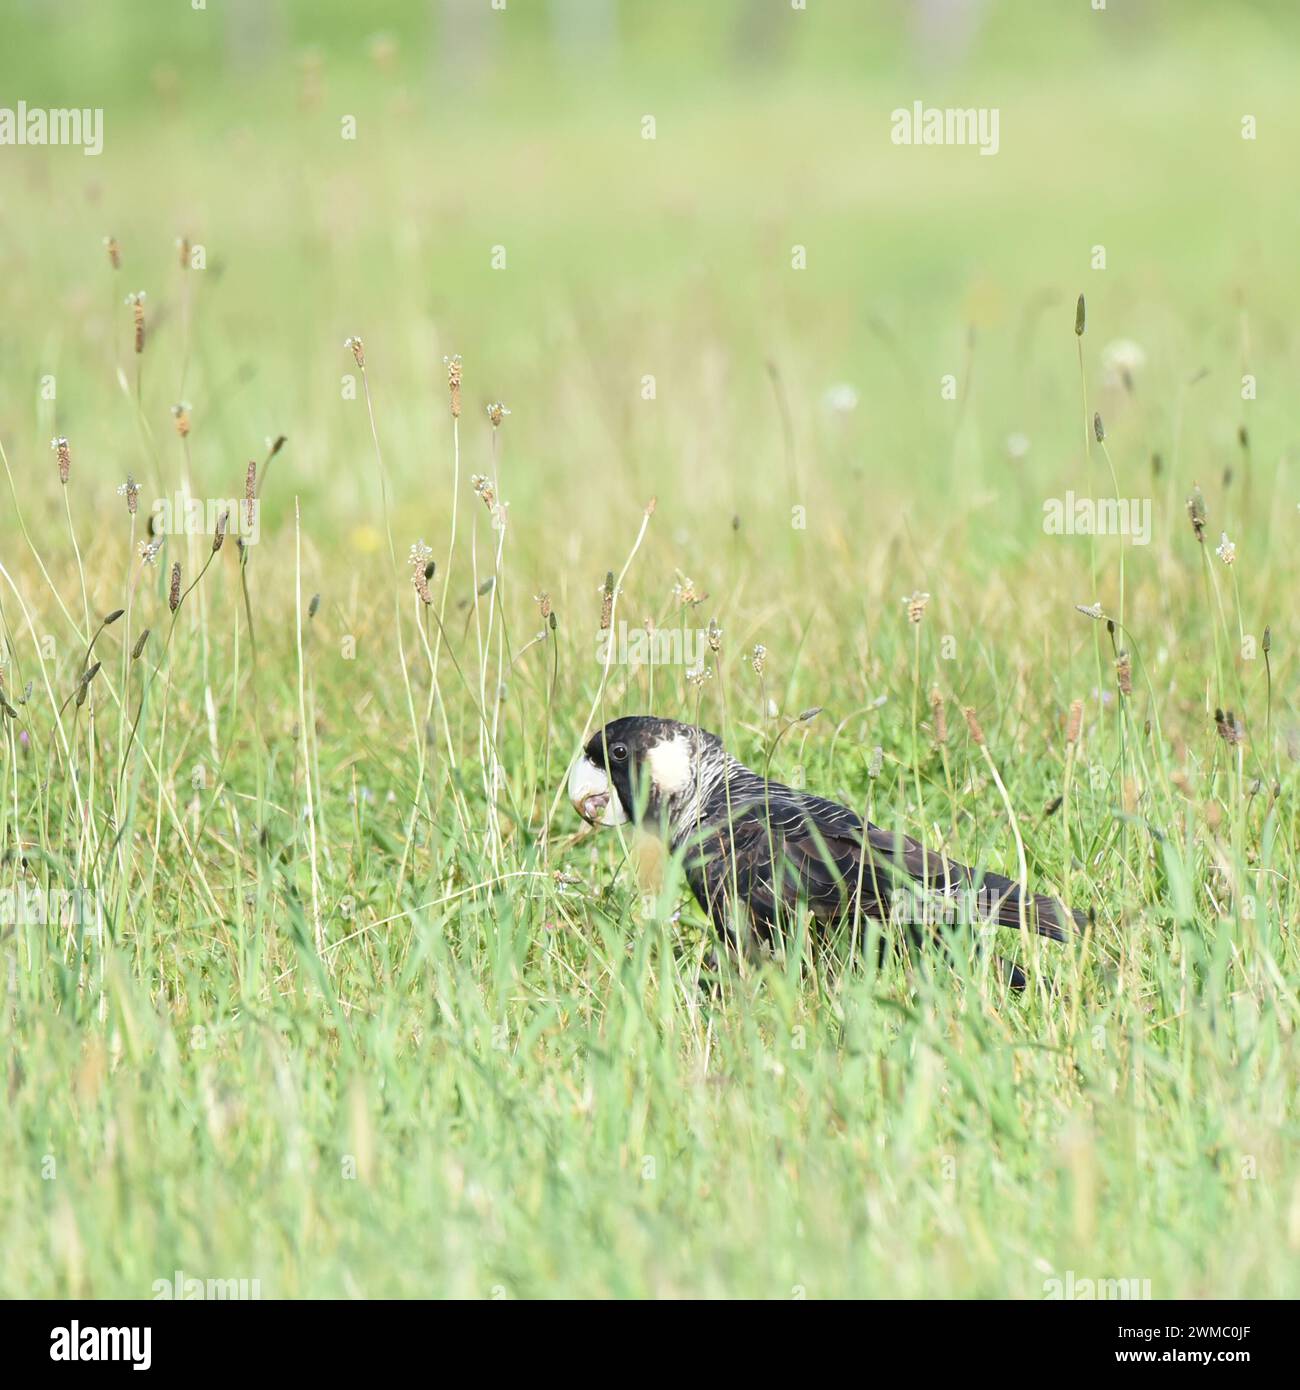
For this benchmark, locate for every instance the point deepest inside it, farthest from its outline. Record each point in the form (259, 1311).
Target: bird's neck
(720, 784)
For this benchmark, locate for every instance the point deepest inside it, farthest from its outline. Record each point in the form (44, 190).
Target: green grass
(357, 1023)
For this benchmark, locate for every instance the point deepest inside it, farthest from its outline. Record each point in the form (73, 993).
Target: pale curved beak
(593, 798)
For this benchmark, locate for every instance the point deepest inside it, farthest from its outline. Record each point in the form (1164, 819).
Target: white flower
(1122, 359)
(1225, 550)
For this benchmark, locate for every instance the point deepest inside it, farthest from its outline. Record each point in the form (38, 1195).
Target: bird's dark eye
(618, 752)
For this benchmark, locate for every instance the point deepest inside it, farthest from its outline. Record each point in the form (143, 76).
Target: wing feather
(779, 850)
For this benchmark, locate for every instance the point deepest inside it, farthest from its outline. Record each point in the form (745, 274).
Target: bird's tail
(987, 897)
(1042, 914)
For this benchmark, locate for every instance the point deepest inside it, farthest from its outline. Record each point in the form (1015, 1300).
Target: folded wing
(788, 851)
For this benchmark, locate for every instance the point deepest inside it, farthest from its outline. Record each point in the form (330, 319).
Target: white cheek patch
(672, 768)
(592, 795)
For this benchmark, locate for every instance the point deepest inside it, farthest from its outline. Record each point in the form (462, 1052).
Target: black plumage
(756, 851)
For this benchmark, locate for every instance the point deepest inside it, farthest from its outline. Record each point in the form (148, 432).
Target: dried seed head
(136, 301)
(759, 659)
(1230, 731)
(1076, 722)
(1124, 673)
(174, 593)
(877, 761)
(497, 412)
(181, 415)
(697, 675)
(453, 366)
(1225, 550)
(1196, 513)
(64, 454)
(139, 645)
(131, 491)
(713, 634)
(420, 559)
(114, 252)
(607, 601)
(1098, 428)
(358, 350)
(250, 490)
(484, 488)
(148, 551)
(915, 605)
(219, 535)
(543, 601)
(1080, 317)
(1090, 610)
(183, 251)
(685, 593)
(973, 724)
(940, 716)
(84, 684)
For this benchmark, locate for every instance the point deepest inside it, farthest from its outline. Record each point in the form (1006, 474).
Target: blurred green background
(522, 128)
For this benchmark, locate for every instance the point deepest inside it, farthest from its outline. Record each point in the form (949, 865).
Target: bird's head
(639, 770)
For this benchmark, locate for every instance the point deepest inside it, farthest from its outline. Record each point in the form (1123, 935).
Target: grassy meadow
(360, 1008)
